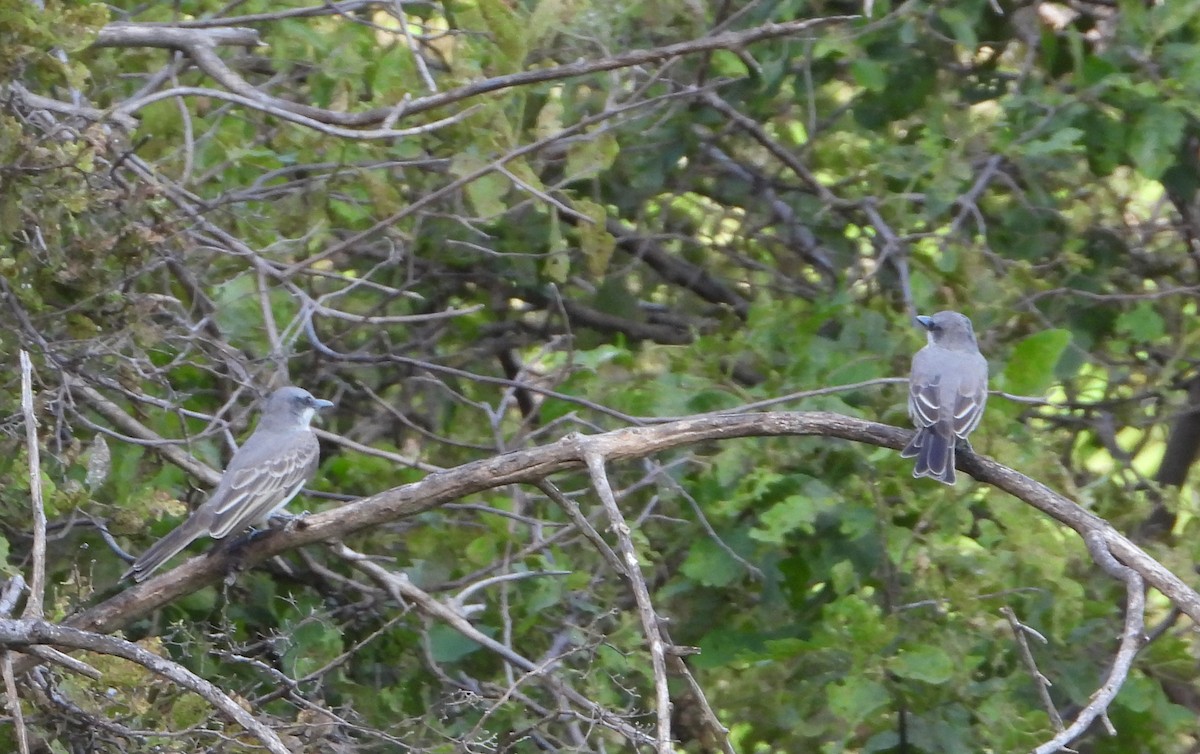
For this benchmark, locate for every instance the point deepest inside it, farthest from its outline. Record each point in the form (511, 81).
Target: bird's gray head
(949, 330)
(289, 406)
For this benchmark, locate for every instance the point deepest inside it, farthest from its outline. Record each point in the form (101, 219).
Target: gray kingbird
(946, 393)
(261, 478)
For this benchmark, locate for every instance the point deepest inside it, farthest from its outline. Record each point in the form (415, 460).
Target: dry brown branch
(37, 584)
(19, 634)
(530, 466)
(403, 590)
(641, 595)
(13, 702)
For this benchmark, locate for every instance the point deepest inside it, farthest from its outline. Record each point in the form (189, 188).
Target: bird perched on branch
(947, 390)
(262, 477)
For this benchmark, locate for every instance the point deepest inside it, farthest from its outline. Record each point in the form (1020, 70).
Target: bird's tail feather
(164, 549)
(934, 452)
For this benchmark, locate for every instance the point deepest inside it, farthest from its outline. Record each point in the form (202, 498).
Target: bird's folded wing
(968, 410)
(923, 402)
(259, 486)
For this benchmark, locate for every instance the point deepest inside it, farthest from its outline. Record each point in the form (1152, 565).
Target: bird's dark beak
(320, 403)
(924, 321)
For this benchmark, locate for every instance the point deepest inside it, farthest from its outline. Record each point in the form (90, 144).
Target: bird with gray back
(947, 390)
(262, 477)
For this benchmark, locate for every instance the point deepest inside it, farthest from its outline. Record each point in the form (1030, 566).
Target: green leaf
(312, 645)
(238, 312)
(870, 74)
(547, 19)
(1141, 323)
(728, 65)
(844, 577)
(546, 593)
(507, 30)
(487, 192)
(592, 156)
(1064, 140)
(709, 564)
(923, 662)
(550, 118)
(448, 645)
(556, 266)
(596, 243)
(613, 297)
(1030, 369)
(962, 25)
(481, 550)
(855, 698)
(1155, 139)
(794, 512)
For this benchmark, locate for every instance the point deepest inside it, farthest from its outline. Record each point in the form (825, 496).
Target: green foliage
(1031, 365)
(654, 256)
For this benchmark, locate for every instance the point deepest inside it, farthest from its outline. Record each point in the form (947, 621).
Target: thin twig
(37, 582)
(403, 590)
(14, 701)
(1042, 683)
(18, 634)
(641, 593)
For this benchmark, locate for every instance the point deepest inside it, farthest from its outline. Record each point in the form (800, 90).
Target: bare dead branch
(10, 594)
(403, 590)
(147, 35)
(199, 45)
(38, 101)
(322, 9)
(37, 582)
(632, 570)
(726, 41)
(290, 112)
(13, 702)
(55, 657)
(530, 466)
(18, 634)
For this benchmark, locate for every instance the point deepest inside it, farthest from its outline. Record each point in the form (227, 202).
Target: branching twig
(199, 44)
(19, 634)
(403, 590)
(1131, 641)
(1042, 683)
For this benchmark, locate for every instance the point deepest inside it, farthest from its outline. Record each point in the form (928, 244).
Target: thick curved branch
(569, 453)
